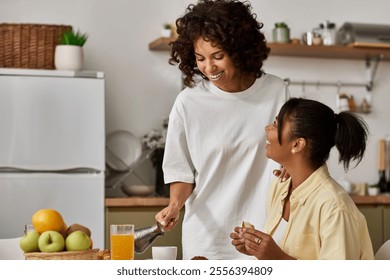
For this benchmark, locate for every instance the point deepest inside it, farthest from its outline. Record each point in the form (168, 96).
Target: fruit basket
(66, 255)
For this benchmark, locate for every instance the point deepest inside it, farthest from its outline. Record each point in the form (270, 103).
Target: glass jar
(328, 33)
(281, 33)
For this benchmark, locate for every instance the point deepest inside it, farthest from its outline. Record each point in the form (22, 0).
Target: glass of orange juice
(122, 242)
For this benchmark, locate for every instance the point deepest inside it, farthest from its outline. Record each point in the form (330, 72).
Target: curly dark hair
(227, 23)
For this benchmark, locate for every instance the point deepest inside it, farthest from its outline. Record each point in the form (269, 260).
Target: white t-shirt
(216, 140)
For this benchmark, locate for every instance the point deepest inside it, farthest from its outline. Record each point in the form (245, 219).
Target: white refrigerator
(52, 148)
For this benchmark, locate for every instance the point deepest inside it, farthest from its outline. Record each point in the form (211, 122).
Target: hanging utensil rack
(371, 68)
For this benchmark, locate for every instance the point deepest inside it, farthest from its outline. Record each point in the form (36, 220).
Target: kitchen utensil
(122, 150)
(328, 33)
(140, 190)
(307, 38)
(364, 35)
(144, 237)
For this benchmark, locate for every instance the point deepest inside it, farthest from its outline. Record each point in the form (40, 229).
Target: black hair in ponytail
(323, 129)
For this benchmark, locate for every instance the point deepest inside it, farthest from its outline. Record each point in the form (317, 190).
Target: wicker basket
(67, 255)
(29, 45)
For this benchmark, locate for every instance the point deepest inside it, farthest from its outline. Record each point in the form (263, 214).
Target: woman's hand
(262, 245)
(168, 217)
(281, 173)
(238, 241)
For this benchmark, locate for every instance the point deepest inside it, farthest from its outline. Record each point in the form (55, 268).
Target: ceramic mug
(164, 252)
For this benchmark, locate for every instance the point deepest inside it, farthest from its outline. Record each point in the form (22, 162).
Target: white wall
(141, 86)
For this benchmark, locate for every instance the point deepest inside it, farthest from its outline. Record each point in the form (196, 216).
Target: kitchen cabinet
(386, 222)
(376, 209)
(142, 216)
(378, 222)
(374, 217)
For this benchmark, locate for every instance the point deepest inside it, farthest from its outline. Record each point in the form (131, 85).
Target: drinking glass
(122, 242)
(28, 228)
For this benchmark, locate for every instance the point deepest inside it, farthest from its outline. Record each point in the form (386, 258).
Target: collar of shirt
(302, 192)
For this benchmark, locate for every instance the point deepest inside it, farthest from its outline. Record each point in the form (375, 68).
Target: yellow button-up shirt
(324, 222)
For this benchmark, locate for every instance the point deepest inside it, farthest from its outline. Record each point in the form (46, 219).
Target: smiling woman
(214, 154)
(217, 66)
(310, 216)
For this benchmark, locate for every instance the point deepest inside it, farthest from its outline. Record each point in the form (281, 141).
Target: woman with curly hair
(214, 154)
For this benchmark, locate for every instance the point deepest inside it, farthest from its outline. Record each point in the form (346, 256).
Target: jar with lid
(281, 33)
(317, 39)
(328, 33)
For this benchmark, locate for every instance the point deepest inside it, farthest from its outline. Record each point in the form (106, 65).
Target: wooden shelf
(337, 51)
(299, 50)
(161, 44)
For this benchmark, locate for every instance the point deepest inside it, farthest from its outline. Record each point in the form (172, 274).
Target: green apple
(51, 241)
(29, 242)
(77, 241)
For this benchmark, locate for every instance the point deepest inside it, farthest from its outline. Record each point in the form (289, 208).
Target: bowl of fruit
(49, 238)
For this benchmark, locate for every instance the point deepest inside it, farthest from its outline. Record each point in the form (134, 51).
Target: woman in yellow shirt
(310, 216)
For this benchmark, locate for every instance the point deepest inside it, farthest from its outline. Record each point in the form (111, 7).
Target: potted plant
(69, 52)
(166, 32)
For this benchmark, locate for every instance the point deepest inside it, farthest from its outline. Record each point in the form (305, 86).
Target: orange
(47, 219)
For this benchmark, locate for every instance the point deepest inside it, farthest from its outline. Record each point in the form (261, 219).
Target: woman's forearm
(179, 193)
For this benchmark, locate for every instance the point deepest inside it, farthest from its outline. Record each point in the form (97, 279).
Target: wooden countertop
(135, 201)
(163, 201)
(371, 200)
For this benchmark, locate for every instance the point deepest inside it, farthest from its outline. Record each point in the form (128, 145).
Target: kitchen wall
(141, 86)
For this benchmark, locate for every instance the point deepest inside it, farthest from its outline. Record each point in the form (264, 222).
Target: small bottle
(351, 104)
(387, 156)
(382, 184)
(365, 106)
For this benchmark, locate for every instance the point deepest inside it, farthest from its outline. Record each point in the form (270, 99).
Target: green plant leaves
(73, 38)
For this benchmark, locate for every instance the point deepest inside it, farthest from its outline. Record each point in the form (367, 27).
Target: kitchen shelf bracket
(372, 64)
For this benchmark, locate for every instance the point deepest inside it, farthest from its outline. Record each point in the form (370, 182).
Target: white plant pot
(68, 57)
(373, 191)
(166, 33)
